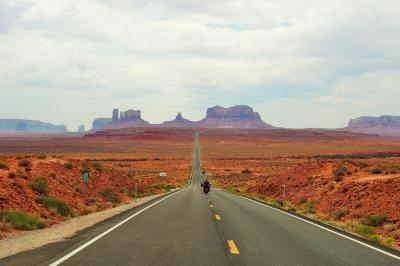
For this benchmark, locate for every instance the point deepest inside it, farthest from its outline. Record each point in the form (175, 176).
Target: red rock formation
(384, 125)
(179, 122)
(239, 116)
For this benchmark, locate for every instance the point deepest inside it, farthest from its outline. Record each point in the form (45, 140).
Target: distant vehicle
(206, 187)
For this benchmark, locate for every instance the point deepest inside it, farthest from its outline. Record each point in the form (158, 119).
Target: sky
(299, 63)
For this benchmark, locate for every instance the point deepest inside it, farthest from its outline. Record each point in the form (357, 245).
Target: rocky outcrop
(123, 119)
(383, 125)
(100, 123)
(239, 116)
(179, 121)
(30, 126)
(81, 129)
(130, 118)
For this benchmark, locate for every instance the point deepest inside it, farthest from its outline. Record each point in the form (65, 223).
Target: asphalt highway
(190, 228)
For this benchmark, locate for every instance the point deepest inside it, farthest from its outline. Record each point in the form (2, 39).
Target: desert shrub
(42, 156)
(110, 195)
(40, 185)
(27, 156)
(396, 234)
(24, 163)
(3, 165)
(18, 157)
(376, 171)
(68, 165)
(246, 171)
(375, 220)
(233, 189)
(21, 220)
(389, 227)
(163, 186)
(332, 186)
(98, 166)
(127, 192)
(310, 206)
(93, 200)
(338, 178)
(302, 200)
(340, 214)
(60, 206)
(364, 230)
(340, 172)
(261, 196)
(276, 203)
(11, 175)
(374, 238)
(20, 186)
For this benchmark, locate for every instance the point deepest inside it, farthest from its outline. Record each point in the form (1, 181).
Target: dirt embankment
(52, 189)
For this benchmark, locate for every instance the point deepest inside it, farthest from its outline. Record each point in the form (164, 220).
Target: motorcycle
(206, 187)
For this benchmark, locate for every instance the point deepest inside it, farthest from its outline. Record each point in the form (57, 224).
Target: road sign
(85, 176)
(163, 174)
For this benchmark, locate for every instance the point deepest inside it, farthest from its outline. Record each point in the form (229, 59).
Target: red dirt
(305, 162)
(124, 162)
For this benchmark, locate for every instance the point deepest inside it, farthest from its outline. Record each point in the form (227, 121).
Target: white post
(135, 192)
(284, 195)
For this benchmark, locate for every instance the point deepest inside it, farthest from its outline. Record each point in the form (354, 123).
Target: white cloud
(166, 55)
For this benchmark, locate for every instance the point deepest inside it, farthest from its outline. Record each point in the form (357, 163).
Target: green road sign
(85, 176)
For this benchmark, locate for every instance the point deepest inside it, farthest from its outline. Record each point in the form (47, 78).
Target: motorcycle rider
(206, 184)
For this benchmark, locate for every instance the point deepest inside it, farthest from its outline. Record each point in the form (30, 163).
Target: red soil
(261, 162)
(124, 162)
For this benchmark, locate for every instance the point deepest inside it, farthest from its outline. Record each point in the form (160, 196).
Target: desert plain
(349, 180)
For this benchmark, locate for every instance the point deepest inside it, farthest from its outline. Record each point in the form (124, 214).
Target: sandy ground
(28, 240)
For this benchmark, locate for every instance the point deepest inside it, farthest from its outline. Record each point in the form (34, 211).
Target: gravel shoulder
(27, 240)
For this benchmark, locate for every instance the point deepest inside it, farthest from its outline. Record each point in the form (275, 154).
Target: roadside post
(135, 192)
(85, 176)
(284, 195)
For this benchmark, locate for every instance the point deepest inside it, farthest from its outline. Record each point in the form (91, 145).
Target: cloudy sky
(300, 63)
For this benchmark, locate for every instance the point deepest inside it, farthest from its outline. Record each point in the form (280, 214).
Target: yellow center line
(211, 205)
(232, 247)
(217, 217)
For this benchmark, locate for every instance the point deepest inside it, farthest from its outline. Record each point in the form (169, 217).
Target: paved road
(190, 228)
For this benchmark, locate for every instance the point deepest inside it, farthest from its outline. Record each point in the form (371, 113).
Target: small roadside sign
(85, 176)
(163, 174)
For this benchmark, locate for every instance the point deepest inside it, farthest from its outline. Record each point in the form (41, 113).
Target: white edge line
(322, 227)
(72, 253)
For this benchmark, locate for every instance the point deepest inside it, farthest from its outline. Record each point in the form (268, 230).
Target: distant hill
(34, 126)
(383, 125)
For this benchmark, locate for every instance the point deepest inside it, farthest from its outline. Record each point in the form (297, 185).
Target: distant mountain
(383, 125)
(29, 126)
(179, 121)
(239, 116)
